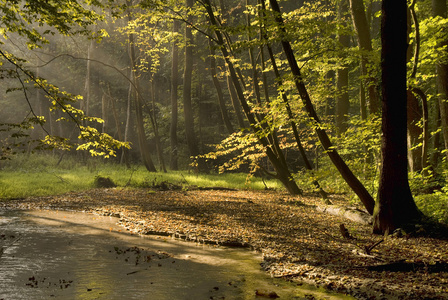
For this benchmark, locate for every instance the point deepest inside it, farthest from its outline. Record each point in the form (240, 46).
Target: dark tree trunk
(155, 126)
(125, 154)
(188, 107)
(174, 111)
(221, 101)
(236, 105)
(395, 206)
(439, 9)
(363, 35)
(414, 132)
(342, 100)
(142, 141)
(342, 167)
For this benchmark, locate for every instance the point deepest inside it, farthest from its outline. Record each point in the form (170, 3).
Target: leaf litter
(297, 242)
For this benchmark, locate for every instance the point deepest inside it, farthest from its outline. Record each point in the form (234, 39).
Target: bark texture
(395, 206)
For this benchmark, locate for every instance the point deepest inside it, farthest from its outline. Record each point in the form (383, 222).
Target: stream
(70, 255)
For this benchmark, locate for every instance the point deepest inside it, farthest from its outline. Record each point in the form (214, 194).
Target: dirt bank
(297, 241)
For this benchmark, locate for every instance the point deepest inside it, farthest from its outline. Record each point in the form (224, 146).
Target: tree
(282, 171)
(216, 83)
(174, 106)
(343, 99)
(395, 206)
(338, 162)
(365, 44)
(288, 109)
(188, 107)
(142, 141)
(440, 10)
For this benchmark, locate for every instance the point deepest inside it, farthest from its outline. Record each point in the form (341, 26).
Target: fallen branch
(368, 249)
(353, 214)
(404, 266)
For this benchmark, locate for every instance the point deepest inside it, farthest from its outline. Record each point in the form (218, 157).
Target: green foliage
(425, 182)
(238, 150)
(434, 206)
(434, 33)
(65, 17)
(44, 175)
(99, 144)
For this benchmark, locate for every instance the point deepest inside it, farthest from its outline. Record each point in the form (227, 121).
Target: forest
(305, 92)
(324, 104)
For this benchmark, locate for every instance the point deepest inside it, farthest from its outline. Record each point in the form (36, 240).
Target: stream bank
(72, 255)
(296, 242)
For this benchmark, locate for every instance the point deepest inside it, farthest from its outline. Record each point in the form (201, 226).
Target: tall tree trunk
(104, 115)
(436, 144)
(142, 141)
(117, 120)
(342, 99)
(174, 110)
(232, 93)
(188, 108)
(365, 44)
(125, 154)
(395, 206)
(414, 132)
(362, 102)
(155, 126)
(439, 8)
(236, 105)
(85, 104)
(221, 101)
(342, 167)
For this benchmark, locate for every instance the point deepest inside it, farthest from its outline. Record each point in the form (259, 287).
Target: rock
(103, 182)
(267, 294)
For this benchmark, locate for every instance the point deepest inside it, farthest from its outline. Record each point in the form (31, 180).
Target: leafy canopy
(33, 20)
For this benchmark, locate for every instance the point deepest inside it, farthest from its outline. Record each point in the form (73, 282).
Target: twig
(57, 176)
(184, 178)
(130, 177)
(368, 249)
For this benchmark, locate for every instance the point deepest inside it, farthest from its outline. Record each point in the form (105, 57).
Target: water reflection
(67, 255)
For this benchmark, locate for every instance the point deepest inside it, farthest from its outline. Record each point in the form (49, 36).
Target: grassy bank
(41, 175)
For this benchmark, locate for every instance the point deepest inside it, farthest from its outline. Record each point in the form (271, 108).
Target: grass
(39, 175)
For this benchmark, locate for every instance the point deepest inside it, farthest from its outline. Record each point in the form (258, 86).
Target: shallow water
(68, 255)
